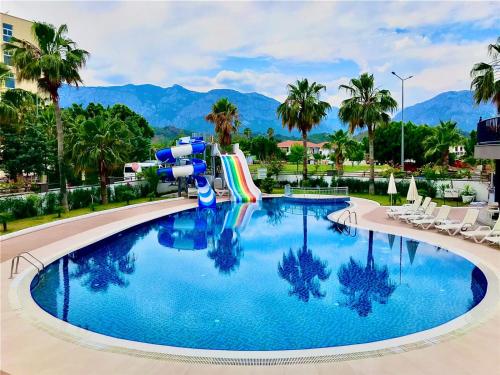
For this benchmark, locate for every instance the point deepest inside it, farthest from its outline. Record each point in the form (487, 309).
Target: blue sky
(262, 46)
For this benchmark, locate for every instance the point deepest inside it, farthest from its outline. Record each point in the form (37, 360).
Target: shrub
(267, 185)
(51, 201)
(80, 198)
(4, 218)
(125, 193)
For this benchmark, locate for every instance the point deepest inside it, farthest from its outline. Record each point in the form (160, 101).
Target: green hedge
(34, 204)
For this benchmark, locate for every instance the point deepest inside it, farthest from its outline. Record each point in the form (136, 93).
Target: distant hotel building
(21, 29)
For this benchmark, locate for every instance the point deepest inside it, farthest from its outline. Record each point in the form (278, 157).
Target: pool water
(270, 276)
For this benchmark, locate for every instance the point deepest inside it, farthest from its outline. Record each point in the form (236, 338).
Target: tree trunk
(371, 158)
(60, 155)
(304, 168)
(102, 179)
(304, 227)
(446, 158)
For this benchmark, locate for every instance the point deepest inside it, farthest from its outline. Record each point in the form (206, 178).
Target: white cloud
(173, 42)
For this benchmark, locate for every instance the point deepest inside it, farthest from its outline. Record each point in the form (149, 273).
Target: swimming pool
(274, 276)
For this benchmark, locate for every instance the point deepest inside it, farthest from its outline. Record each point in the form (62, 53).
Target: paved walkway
(30, 241)
(28, 349)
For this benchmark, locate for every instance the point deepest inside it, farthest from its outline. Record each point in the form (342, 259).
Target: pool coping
(21, 300)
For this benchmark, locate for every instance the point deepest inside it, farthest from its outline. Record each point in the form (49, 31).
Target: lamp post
(402, 119)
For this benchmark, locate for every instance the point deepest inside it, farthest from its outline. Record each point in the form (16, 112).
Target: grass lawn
(16, 225)
(292, 168)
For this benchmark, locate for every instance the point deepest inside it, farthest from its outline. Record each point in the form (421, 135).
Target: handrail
(33, 257)
(297, 191)
(349, 216)
(15, 261)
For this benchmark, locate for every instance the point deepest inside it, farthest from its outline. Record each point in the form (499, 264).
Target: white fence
(315, 192)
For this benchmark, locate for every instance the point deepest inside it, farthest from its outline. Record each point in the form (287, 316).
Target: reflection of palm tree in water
(103, 265)
(227, 251)
(304, 271)
(363, 285)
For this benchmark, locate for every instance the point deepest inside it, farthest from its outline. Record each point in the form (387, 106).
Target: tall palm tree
(486, 78)
(302, 110)
(100, 142)
(225, 118)
(445, 135)
(366, 107)
(270, 133)
(342, 143)
(248, 133)
(52, 61)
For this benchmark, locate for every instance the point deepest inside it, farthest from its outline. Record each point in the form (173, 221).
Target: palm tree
(52, 61)
(100, 142)
(486, 78)
(302, 110)
(342, 143)
(247, 132)
(270, 133)
(4, 73)
(367, 107)
(444, 135)
(225, 118)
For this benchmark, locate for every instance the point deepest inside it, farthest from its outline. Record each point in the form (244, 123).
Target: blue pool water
(273, 276)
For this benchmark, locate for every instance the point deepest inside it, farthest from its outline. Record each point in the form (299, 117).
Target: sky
(263, 46)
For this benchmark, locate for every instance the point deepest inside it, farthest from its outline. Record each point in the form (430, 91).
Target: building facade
(488, 147)
(21, 29)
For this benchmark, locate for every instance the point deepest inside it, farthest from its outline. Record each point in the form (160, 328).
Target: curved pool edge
(21, 300)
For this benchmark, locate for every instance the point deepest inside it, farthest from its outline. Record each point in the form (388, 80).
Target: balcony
(488, 131)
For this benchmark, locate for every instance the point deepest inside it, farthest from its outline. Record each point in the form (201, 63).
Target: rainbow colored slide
(238, 178)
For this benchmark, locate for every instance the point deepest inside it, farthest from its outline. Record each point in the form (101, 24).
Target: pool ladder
(349, 216)
(31, 259)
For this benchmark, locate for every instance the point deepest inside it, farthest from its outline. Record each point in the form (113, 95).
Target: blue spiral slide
(206, 195)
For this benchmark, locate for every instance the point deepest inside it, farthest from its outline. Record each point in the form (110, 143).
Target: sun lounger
(494, 240)
(440, 218)
(423, 215)
(468, 222)
(405, 206)
(393, 213)
(482, 232)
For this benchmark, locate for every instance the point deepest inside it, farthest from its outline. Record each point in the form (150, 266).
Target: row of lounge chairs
(420, 214)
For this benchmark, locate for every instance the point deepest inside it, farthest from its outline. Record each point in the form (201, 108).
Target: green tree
(100, 142)
(341, 143)
(226, 120)
(296, 155)
(485, 78)
(367, 107)
(356, 153)
(270, 133)
(248, 133)
(54, 60)
(445, 135)
(302, 110)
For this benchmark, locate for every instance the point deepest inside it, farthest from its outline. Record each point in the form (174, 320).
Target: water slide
(188, 146)
(238, 177)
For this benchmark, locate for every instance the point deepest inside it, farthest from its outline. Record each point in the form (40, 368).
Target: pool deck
(28, 349)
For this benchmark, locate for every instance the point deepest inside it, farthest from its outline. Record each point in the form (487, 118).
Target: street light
(402, 119)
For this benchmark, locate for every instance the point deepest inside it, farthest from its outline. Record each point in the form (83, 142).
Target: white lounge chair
(404, 206)
(440, 218)
(452, 227)
(424, 215)
(393, 214)
(494, 240)
(482, 232)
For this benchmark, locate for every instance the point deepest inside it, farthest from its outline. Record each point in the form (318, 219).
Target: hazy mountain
(178, 107)
(451, 105)
(181, 108)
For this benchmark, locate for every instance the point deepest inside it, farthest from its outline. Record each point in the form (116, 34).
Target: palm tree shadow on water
(303, 271)
(227, 251)
(363, 285)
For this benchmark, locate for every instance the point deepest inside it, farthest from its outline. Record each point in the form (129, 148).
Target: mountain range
(181, 108)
